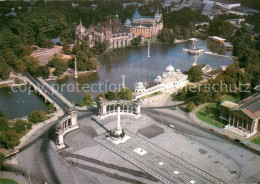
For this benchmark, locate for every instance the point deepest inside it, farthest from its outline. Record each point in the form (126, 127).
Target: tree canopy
(195, 74)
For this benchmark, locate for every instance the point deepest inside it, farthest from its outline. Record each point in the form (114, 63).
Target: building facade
(146, 26)
(112, 31)
(169, 80)
(118, 34)
(243, 115)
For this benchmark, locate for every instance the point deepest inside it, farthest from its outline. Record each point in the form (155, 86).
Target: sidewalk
(18, 178)
(222, 131)
(37, 129)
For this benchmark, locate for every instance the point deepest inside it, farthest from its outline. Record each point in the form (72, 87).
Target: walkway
(18, 178)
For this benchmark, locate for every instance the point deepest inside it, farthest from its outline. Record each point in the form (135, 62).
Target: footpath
(13, 176)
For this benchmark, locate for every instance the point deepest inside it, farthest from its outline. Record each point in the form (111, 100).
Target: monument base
(118, 140)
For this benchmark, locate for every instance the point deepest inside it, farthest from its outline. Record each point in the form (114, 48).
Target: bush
(125, 94)
(88, 99)
(81, 103)
(110, 95)
(190, 106)
(2, 159)
(195, 74)
(38, 116)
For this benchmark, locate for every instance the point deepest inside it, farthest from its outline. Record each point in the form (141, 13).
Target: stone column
(74, 120)
(138, 109)
(256, 125)
(104, 109)
(252, 127)
(60, 141)
(233, 121)
(127, 108)
(229, 119)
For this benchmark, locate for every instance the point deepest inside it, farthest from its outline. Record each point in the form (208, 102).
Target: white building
(169, 80)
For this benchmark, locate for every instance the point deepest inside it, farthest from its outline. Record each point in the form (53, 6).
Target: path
(16, 177)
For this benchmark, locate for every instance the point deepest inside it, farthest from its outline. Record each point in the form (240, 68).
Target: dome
(178, 70)
(140, 84)
(170, 68)
(158, 77)
(127, 22)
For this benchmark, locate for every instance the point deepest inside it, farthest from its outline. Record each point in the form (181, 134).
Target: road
(46, 51)
(38, 156)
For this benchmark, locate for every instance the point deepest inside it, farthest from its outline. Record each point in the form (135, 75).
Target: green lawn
(213, 117)
(7, 181)
(256, 139)
(230, 98)
(153, 94)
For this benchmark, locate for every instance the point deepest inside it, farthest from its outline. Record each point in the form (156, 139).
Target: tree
(32, 65)
(2, 159)
(4, 71)
(9, 139)
(20, 126)
(166, 35)
(88, 99)
(66, 48)
(84, 46)
(190, 106)
(101, 47)
(248, 56)
(207, 110)
(110, 95)
(59, 64)
(44, 72)
(93, 64)
(136, 41)
(195, 74)
(221, 28)
(51, 107)
(125, 94)
(3, 124)
(43, 41)
(37, 116)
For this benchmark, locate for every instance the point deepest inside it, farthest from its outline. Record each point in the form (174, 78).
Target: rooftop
(250, 105)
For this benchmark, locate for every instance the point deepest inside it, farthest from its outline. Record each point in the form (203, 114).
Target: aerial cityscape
(130, 91)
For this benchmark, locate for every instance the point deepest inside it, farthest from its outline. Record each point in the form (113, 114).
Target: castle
(113, 31)
(146, 26)
(118, 34)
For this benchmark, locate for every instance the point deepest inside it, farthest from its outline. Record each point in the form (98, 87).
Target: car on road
(171, 126)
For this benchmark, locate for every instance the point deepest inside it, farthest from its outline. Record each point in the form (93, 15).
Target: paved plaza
(156, 153)
(158, 162)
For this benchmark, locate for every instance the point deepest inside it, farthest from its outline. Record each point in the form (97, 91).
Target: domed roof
(136, 15)
(127, 21)
(169, 68)
(140, 84)
(178, 70)
(158, 77)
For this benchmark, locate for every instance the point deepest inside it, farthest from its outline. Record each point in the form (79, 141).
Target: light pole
(28, 172)
(148, 52)
(76, 70)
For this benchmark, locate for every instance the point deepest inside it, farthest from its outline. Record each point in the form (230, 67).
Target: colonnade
(110, 107)
(66, 125)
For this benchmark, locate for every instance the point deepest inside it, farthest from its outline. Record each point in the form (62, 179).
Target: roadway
(38, 155)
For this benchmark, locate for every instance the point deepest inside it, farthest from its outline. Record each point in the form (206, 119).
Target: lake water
(131, 62)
